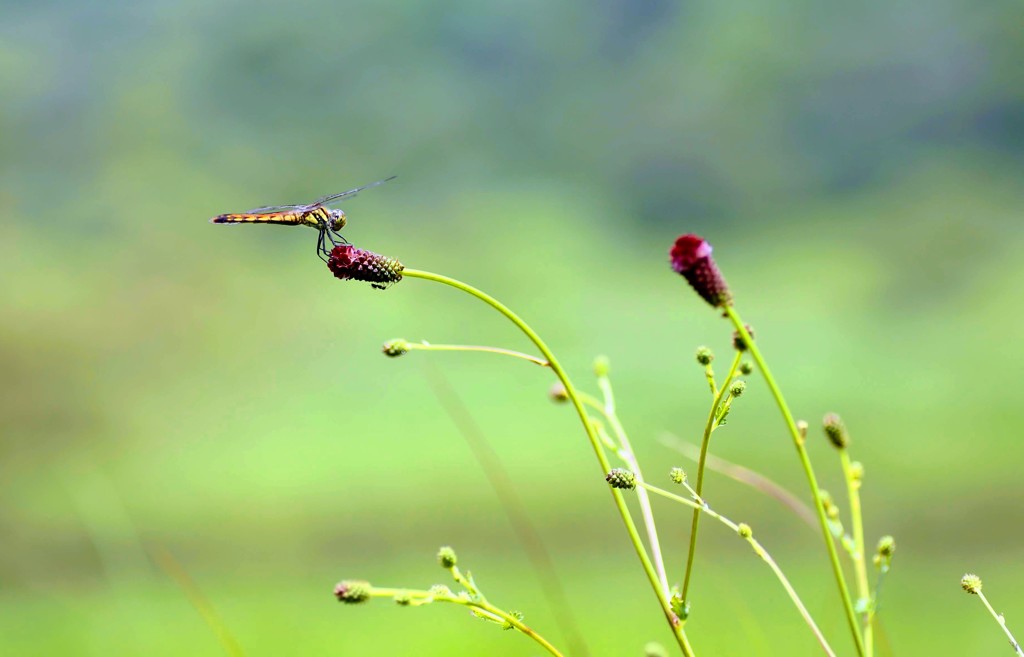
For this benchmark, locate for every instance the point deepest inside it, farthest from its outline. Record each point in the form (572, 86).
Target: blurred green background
(213, 392)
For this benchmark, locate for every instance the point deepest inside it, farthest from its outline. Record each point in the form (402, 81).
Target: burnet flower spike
(347, 262)
(691, 257)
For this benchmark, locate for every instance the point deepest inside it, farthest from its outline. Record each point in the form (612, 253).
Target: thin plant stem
(595, 442)
(805, 461)
(699, 503)
(709, 427)
(426, 346)
(1002, 623)
(860, 557)
(480, 604)
(630, 458)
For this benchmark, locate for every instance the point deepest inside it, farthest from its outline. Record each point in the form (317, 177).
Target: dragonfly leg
(321, 250)
(336, 238)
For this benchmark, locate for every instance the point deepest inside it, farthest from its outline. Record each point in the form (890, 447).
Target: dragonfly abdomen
(284, 218)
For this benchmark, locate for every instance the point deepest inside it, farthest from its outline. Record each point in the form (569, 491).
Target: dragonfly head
(337, 219)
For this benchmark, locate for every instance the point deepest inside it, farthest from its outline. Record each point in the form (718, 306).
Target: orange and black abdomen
(283, 218)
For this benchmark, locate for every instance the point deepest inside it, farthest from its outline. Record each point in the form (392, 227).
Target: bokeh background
(212, 392)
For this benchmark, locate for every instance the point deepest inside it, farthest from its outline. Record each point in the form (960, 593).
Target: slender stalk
(595, 442)
(805, 461)
(626, 453)
(426, 346)
(709, 427)
(758, 549)
(1002, 623)
(860, 556)
(480, 604)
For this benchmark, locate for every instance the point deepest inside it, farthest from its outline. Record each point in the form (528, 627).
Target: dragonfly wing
(274, 209)
(334, 198)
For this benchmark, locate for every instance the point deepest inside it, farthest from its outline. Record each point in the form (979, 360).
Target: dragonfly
(327, 220)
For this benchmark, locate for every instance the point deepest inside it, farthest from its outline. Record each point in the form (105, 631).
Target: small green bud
(679, 607)
(446, 557)
(352, 591)
(655, 649)
(705, 355)
(601, 366)
(621, 478)
(886, 546)
(746, 368)
(440, 591)
(801, 427)
(557, 393)
(835, 430)
(403, 599)
(677, 475)
(744, 530)
(857, 471)
(396, 347)
(737, 388)
(738, 342)
(971, 583)
(829, 505)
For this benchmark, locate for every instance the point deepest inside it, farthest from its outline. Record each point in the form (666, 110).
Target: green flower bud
(446, 557)
(705, 355)
(677, 475)
(621, 478)
(857, 471)
(440, 591)
(557, 393)
(737, 388)
(352, 591)
(738, 342)
(744, 530)
(971, 583)
(746, 368)
(835, 430)
(396, 347)
(601, 366)
(403, 599)
(801, 427)
(886, 546)
(655, 649)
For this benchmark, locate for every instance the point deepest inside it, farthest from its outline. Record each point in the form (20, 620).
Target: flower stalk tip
(691, 257)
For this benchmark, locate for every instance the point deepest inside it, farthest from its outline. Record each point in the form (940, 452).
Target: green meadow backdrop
(168, 386)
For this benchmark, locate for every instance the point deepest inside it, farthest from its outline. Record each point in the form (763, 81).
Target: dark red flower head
(349, 263)
(691, 257)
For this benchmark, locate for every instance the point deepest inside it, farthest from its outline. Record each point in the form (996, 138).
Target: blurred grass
(212, 391)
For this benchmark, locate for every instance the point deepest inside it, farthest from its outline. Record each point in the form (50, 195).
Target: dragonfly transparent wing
(306, 207)
(272, 209)
(334, 198)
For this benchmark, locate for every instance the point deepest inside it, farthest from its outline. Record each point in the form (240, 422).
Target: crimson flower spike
(347, 262)
(691, 257)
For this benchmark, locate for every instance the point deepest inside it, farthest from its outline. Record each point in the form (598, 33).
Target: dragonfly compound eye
(338, 220)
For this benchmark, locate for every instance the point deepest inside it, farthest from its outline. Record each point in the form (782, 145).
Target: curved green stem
(805, 461)
(627, 455)
(709, 426)
(488, 609)
(701, 504)
(595, 441)
(426, 346)
(860, 557)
